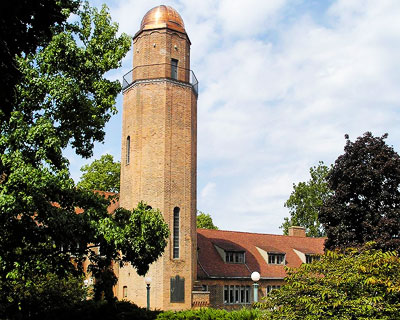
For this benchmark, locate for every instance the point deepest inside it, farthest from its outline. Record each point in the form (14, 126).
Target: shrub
(355, 284)
(210, 314)
(101, 310)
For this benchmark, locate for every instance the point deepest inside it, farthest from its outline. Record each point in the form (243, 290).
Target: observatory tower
(158, 165)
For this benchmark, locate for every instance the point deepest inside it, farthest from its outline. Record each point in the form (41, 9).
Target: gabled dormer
(272, 256)
(230, 252)
(305, 255)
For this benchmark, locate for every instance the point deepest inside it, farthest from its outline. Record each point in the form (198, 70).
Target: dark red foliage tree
(365, 204)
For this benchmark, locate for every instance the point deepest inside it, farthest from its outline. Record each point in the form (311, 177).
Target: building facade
(226, 260)
(158, 148)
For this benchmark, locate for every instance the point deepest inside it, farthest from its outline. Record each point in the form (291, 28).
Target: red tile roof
(211, 265)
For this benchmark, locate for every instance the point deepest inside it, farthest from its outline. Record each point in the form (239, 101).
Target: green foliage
(351, 285)
(138, 236)
(306, 201)
(365, 204)
(100, 310)
(210, 314)
(62, 99)
(204, 221)
(25, 25)
(102, 174)
(42, 293)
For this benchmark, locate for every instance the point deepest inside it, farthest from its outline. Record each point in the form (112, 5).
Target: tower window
(176, 233)
(128, 149)
(174, 69)
(125, 291)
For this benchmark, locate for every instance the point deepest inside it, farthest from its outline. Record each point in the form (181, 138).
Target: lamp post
(255, 276)
(147, 280)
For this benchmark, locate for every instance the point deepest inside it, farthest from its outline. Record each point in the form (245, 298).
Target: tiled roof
(211, 265)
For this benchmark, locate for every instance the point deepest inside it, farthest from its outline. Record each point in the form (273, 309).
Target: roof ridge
(268, 234)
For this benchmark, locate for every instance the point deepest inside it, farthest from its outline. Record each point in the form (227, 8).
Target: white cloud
(274, 109)
(239, 18)
(277, 94)
(208, 191)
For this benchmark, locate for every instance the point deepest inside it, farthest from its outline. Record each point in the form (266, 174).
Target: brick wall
(160, 117)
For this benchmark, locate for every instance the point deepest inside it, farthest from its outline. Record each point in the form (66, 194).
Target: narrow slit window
(176, 233)
(174, 69)
(125, 291)
(128, 149)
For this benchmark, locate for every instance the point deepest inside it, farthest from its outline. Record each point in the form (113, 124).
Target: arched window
(176, 233)
(128, 149)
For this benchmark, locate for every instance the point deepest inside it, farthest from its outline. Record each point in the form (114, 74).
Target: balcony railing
(160, 70)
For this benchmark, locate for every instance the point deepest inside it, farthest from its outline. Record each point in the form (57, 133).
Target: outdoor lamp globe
(255, 276)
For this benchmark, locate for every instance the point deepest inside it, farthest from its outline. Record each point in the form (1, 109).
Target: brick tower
(158, 165)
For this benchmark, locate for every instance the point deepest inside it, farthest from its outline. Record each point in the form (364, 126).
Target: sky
(281, 82)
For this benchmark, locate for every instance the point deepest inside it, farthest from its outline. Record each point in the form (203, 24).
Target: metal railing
(160, 70)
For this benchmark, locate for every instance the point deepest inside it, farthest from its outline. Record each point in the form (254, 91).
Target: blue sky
(281, 83)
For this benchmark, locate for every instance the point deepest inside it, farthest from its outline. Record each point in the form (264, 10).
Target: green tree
(204, 221)
(61, 99)
(46, 292)
(355, 284)
(138, 237)
(25, 25)
(102, 174)
(365, 203)
(306, 200)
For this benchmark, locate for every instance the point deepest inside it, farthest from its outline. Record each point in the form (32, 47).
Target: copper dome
(162, 17)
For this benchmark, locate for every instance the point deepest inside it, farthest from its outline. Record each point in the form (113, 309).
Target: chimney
(296, 231)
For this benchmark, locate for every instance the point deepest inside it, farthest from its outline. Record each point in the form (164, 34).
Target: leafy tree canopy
(137, 237)
(306, 201)
(365, 203)
(204, 221)
(102, 174)
(25, 25)
(350, 285)
(61, 98)
(44, 293)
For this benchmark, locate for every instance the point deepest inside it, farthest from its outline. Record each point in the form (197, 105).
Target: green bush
(42, 293)
(101, 310)
(354, 284)
(210, 314)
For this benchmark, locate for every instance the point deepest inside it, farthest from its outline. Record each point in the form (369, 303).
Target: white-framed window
(311, 257)
(234, 294)
(273, 287)
(276, 258)
(234, 257)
